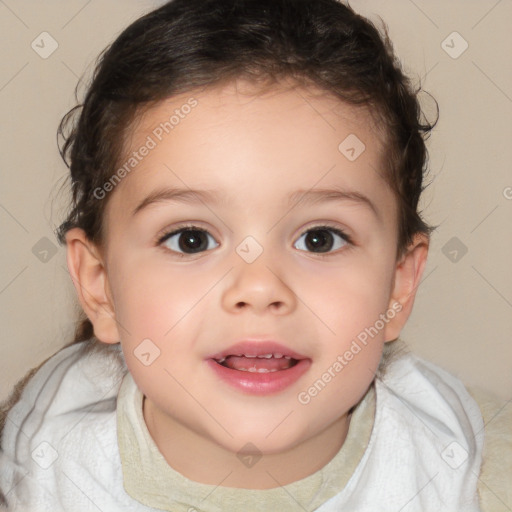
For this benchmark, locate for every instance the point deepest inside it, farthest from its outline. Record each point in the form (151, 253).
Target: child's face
(269, 272)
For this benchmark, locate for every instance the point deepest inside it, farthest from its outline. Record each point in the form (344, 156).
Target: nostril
(277, 305)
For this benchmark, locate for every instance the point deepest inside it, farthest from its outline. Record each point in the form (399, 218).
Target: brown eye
(321, 239)
(190, 241)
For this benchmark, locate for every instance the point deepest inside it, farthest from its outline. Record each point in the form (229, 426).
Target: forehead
(271, 107)
(240, 141)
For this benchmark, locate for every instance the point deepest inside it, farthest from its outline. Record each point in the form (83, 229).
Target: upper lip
(257, 349)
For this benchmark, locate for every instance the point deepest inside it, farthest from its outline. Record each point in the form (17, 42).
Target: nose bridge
(258, 283)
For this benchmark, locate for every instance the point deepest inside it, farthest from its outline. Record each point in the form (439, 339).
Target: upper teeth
(263, 356)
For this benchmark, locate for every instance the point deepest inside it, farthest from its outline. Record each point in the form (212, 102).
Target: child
(245, 242)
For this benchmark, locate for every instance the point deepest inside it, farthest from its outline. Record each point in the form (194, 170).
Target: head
(261, 106)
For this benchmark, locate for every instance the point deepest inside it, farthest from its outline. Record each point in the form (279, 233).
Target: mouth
(264, 363)
(258, 357)
(259, 367)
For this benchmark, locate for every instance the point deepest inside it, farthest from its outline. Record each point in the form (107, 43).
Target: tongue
(256, 363)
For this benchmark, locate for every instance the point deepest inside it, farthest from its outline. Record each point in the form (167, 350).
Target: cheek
(349, 298)
(156, 309)
(152, 299)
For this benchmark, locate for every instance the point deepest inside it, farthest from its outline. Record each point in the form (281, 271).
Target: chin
(263, 442)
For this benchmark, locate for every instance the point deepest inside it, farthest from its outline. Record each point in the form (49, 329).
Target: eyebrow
(310, 196)
(183, 195)
(317, 195)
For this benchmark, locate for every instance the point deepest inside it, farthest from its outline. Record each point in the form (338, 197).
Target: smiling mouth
(265, 363)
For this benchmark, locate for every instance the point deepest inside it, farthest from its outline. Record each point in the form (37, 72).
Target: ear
(407, 276)
(89, 276)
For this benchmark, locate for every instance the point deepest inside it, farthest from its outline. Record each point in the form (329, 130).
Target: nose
(259, 288)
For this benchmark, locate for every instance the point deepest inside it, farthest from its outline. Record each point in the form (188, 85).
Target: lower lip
(261, 383)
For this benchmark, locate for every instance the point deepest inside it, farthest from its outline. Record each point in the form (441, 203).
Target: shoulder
(73, 377)
(427, 434)
(432, 408)
(494, 485)
(426, 387)
(58, 417)
(483, 414)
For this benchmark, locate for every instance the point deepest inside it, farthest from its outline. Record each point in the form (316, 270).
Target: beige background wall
(463, 313)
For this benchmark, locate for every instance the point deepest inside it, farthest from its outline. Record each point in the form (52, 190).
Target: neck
(199, 458)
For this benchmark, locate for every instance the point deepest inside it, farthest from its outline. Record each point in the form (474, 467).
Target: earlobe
(407, 277)
(90, 279)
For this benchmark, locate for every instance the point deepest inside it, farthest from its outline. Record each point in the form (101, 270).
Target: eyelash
(161, 238)
(337, 231)
(334, 230)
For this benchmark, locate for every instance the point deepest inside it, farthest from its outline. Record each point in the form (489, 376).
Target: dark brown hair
(190, 44)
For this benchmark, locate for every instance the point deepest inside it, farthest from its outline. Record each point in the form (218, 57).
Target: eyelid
(339, 231)
(166, 233)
